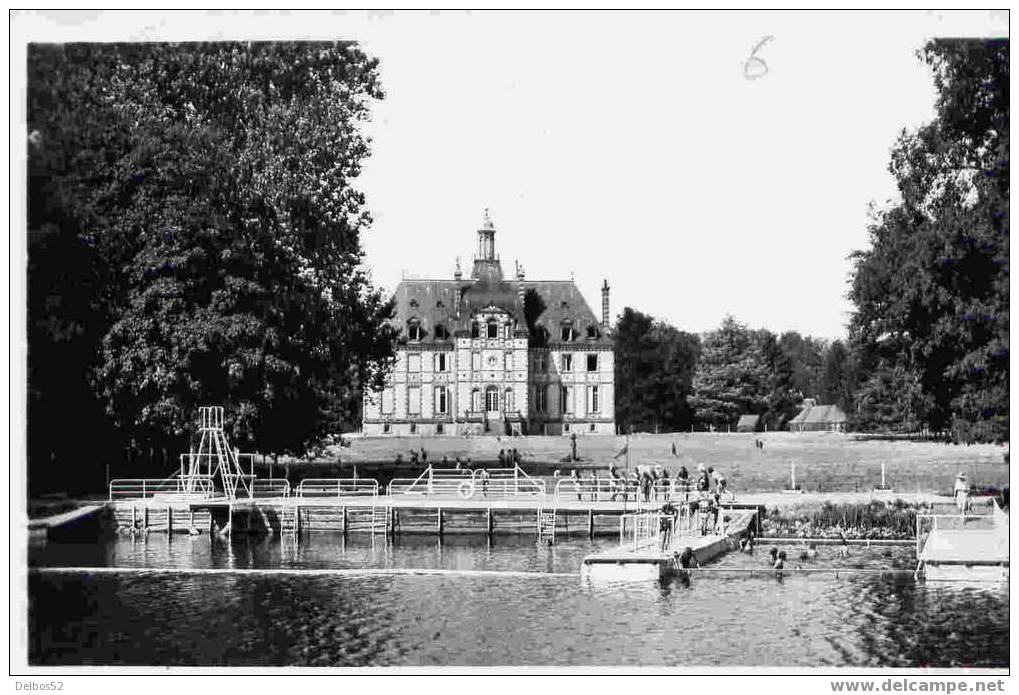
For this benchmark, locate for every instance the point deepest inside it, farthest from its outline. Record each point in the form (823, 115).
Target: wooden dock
(383, 514)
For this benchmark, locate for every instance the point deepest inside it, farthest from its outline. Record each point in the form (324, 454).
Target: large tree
(732, 376)
(196, 238)
(654, 370)
(931, 318)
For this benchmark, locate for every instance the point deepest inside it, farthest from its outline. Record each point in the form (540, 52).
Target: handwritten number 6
(755, 68)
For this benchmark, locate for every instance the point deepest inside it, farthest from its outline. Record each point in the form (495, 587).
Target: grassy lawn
(825, 462)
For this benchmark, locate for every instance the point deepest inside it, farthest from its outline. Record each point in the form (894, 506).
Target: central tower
(486, 263)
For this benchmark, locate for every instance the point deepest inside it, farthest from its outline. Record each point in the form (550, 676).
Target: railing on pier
(338, 487)
(619, 489)
(262, 488)
(643, 531)
(465, 484)
(144, 488)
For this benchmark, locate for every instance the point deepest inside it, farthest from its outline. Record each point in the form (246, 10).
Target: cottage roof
(819, 414)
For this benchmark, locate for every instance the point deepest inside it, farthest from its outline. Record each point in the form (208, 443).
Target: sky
(630, 147)
(634, 148)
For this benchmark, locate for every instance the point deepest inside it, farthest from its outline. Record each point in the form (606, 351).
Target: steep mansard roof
(452, 303)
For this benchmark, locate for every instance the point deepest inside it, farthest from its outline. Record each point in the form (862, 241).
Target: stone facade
(469, 361)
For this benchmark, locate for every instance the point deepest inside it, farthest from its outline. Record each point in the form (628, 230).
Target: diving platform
(963, 547)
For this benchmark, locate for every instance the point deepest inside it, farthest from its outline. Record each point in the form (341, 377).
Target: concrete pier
(648, 562)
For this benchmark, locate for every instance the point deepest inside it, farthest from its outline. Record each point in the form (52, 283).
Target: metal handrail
(270, 487)
(642, 530)
(144, 488)
(467, 487)
(607, 489)
(338, 487)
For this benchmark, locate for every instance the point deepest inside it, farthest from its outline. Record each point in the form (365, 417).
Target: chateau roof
(452, 303)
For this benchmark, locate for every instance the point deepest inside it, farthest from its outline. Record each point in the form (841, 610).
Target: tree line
(927, 345)
(194, 238)
(672, 380)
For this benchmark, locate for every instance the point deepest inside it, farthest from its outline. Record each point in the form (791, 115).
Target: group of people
(509, 458)
(707, 480)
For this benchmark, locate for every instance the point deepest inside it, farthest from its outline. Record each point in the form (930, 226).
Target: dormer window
(592, 332)
(493, 328)
(567, 334)
(413, 330)
(441, 333)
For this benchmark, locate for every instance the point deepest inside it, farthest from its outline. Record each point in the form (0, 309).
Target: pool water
(502, 603)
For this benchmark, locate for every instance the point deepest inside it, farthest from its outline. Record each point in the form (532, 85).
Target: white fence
(619, 489)
(466, 484)
(144, 488)
(647, 531)
(338, 487)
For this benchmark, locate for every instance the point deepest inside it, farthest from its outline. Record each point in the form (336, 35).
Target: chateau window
(541, 362)
(493, 329)
(566, 399)
(592, 399)
(508, 401)
(440, 428)
(492, 399)
(414, 330)
(441, 362)
(413, 428)
(413, 400)
(567, 362)
(540, 336)
(441, 400)
(540, 399)
(385, 428)
(592, 332)
(387, 401)
(509, 361)
(414, 362)
(476, 361)
(567, 333)
(475, 401)
(441, 333)
(592, 362)
(475, 330)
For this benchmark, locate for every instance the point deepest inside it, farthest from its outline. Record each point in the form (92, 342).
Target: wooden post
(145, 517)
(343, 520)
(134, 516)
(590, 524)
(438, 520)
(192, 525)
(491, 522)
(211, 524)
(169, 520)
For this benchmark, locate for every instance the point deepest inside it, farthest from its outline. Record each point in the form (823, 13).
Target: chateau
(491, 355)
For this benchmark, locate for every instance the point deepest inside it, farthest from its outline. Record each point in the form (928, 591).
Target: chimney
(605, 305)
(520, 284)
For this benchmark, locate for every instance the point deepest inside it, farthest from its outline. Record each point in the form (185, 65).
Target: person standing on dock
(483, 475)
(575, 479)
(666, 523)
(683, 482)
(961, 492)
(502, 458)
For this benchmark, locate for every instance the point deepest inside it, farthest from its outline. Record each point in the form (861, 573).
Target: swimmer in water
(780, 562)
(810, 553)
(687, 559)
(844, 548)
(773, 553)
(746, 544)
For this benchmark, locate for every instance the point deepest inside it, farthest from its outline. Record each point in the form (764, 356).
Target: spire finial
(487, 221)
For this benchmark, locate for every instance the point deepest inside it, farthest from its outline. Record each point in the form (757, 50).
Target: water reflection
(721, 619)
